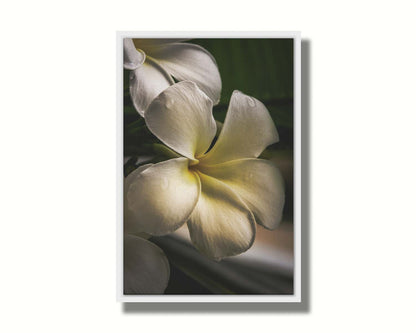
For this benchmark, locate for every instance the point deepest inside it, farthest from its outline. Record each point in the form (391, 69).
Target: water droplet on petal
(248, 176)
(170, 102)
(164, 184)
(251, 101)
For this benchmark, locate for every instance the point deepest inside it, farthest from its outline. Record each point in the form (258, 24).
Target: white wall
(57, 180)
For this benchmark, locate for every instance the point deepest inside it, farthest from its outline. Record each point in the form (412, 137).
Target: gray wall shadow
(304, 306)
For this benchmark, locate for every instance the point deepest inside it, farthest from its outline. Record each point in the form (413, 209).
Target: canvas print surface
(208, 144)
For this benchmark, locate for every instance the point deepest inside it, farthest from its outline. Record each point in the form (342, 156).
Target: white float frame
(297, 296)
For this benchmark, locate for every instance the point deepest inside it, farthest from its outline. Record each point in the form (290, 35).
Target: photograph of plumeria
(208, 142)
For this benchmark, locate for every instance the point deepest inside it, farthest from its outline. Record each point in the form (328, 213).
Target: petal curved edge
(129, 223)
(248, 129)
(190, 62)
(146, 82)
(146, 268)
(221, 225)
(162, 197)
(181, 117)
(258, 183)
(133, 175)
(132, 57)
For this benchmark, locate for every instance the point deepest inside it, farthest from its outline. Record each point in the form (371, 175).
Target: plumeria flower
(155, 62)
(221, 193)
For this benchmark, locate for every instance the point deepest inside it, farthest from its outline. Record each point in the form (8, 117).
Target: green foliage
(224, 277)
(262, 68)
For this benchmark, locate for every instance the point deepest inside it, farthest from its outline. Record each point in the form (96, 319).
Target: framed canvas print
(208, 167)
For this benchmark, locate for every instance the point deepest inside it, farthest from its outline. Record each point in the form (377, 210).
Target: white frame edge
(296, 297)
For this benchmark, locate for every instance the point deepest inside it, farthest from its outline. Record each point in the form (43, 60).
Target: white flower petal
(221, 225)
(146, 268)
(190, 62)
(181, 117)
(162, 197)
(132, 57)
(133, 175)
(248, 129)
(258, 183)
(146, 82)
(130, 225)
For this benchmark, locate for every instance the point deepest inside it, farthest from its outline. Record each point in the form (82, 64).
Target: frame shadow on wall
(302, 307)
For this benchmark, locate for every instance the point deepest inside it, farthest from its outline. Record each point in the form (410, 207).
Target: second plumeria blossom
(220, 192)
(155, 62)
